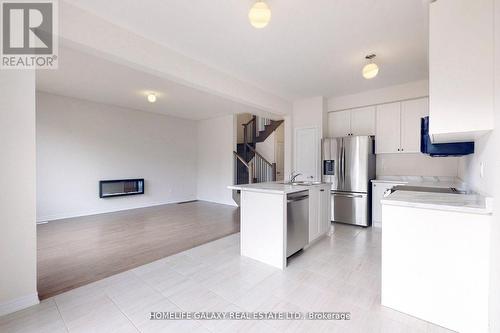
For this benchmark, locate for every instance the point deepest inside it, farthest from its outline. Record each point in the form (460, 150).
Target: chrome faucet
(292, 177)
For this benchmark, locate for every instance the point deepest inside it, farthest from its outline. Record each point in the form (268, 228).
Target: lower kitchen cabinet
(319, 211)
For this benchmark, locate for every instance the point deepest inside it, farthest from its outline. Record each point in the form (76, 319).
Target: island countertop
(467, 203)
(422, 181)
(274, 187)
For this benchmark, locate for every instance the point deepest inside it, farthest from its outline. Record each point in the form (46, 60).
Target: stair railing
(263, 170)
(249, 134)
(262, 122)
(249, 166)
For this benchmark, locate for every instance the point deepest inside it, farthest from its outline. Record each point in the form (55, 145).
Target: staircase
(266, 127)
(251, 167)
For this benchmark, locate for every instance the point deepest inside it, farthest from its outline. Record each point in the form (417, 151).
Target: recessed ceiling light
(151, 98)
(370, 70)
(259, 15)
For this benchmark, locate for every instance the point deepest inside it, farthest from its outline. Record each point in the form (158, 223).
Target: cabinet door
(363, 121)
(325, 218)
(339, 123)
(461, 68)
(314, 213)
(388, 128)
(411, 113)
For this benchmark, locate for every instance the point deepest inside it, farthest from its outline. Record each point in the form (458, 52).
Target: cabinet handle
(322, 190)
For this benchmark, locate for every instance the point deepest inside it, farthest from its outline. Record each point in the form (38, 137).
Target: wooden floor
(74, 252)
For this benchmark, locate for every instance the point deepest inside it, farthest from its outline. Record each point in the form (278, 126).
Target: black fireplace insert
(120, 187)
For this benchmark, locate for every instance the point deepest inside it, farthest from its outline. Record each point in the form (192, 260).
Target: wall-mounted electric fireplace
(120, 187)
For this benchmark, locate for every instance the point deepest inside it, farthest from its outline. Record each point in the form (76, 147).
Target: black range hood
(442, 149)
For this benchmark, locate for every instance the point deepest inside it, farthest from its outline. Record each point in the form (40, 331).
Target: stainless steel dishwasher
(297, 221)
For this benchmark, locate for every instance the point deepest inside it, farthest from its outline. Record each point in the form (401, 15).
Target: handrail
(254, 118)
(249, 167)
(256, 153)
(242, 160)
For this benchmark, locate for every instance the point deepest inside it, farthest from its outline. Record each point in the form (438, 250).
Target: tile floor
(339, 273)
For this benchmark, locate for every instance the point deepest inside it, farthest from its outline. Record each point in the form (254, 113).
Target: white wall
(308, 113)
(216, 142)
(81, 142)
(399, 164)
(378, 96)
(288, 129)
(416, 165)
(17, 197)
(487, 150)
(241, 119)
(495, 229)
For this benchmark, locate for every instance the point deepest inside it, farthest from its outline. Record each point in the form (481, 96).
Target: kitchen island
(264, 215)
(436, 259)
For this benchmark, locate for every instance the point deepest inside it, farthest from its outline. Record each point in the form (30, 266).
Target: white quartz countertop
(275, 187)
(467, 203)
(423, 181)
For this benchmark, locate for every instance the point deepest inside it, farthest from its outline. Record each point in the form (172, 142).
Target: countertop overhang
(465, 203)
(275, 187)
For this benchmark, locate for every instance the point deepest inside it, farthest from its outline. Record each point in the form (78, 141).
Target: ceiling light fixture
(259, 15)
(151, 98)
(370, 70)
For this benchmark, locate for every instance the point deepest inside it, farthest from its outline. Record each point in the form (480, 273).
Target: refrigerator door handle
(343, 163)
(348, 195)
(341, 185)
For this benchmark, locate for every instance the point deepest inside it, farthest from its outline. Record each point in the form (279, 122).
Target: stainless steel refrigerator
(349, 164)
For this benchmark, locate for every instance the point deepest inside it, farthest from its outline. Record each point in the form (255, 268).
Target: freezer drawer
(350, 208)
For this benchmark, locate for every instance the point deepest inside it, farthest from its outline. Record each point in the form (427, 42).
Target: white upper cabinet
(461, 69)
(339, 123)
(398, 126)
(363, 121)
(411, 114)
(359, 121)
(388, 139)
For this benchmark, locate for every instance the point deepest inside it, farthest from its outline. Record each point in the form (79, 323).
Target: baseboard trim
(17, 304)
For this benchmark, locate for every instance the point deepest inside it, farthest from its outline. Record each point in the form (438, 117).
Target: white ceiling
(310, 48)
(93, 78)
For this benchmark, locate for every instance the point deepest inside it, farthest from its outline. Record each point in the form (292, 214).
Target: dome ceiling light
(259, 15)
(151, 98)
(370, 70)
